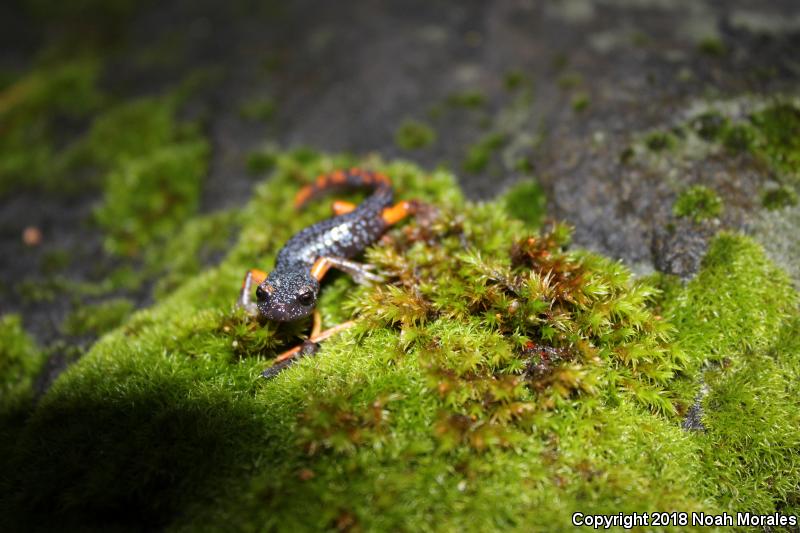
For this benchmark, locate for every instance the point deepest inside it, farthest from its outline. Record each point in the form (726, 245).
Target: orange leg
(341, 207)
(289, 354)
(399, 211)
(320, 268)
(253, 276)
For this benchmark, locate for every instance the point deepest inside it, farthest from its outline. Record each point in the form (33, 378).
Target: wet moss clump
(497, 372)
(698, 203)
(32, 156)
(413, 135)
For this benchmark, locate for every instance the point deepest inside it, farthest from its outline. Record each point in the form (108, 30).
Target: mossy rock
(497, 380)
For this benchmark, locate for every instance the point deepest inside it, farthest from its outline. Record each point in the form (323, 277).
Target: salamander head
(286, 296)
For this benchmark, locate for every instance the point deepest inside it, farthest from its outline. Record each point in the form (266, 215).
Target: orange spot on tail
(341, 207)
(303, 195)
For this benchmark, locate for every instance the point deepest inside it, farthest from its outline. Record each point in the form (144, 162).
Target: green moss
(412, 135)
(479, 154)
(30, 110)
(132, 129)
(779, 125)
(148, 198)
(712, 46)
(260, 162)
(710, 125)
(526, 201)
(770, 134)
(698, 203)
(658, 141)
(96, 319)
(739, 319)
(515, 79)
(580, 102)
(260, 109)
(196, 244)
(779, 197)
(468, 99)
(739, 138)
(570, 80)
(497, 380)
(20, 363)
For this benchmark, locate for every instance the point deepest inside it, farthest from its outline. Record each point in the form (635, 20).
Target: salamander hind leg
(394, 214)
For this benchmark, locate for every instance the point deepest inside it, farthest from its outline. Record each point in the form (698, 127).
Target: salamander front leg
(308, 347)
(253, 276)
(360, 272)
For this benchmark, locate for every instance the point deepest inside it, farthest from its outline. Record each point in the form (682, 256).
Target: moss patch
(147, 198)
(526, 201)
(739, 320)
(497, 380)
(98, 318)
(480, 153)
(30, 109)
(412, 135)
(20, 362)
(698, 203)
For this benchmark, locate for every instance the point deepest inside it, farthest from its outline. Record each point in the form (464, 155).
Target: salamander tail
(342, 179)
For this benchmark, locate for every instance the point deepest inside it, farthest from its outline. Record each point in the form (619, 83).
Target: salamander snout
(286, 296)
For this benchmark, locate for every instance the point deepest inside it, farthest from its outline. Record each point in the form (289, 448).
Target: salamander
(290, 291)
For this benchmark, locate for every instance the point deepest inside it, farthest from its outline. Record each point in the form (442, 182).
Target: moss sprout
(260, 162)
(515, 79)
(738, 138)
(658, 141)
(413, 135)
(580, 102)
(698, 203)
(779, 124)
(710, 125)
(479, 154)
(712, 46)
(779, 197)
(526, 201)
(472, 99)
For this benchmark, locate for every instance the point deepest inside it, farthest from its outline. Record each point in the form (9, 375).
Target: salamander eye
(262, 294)
(305, 296)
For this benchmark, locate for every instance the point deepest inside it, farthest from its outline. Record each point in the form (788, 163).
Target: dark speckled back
(341, 236)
